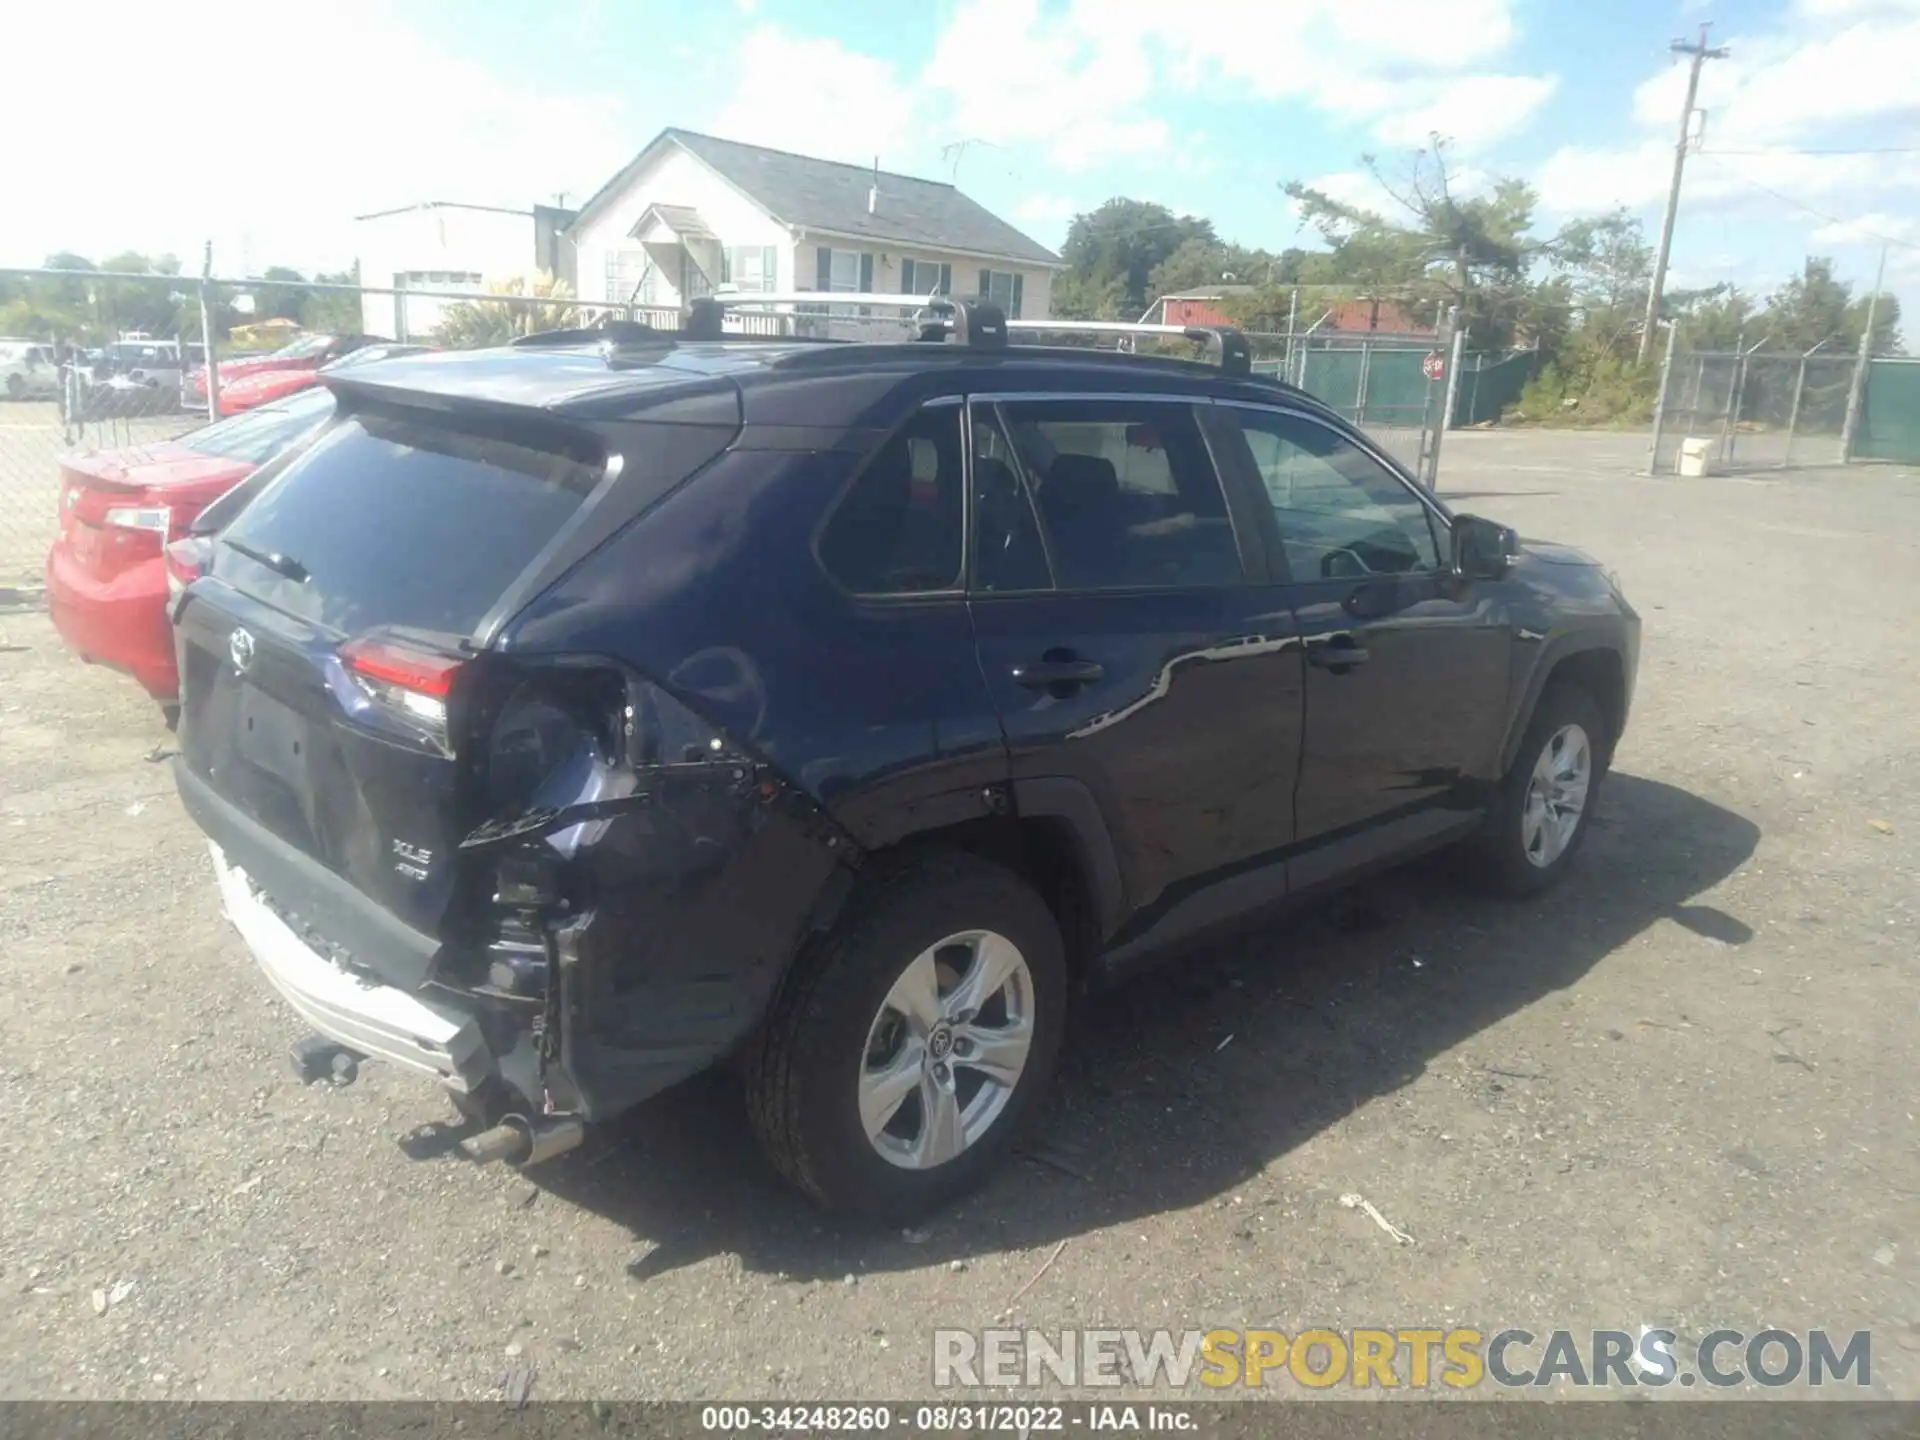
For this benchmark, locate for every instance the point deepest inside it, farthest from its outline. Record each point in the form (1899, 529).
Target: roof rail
(977, 323)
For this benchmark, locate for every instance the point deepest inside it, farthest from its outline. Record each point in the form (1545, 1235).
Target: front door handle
(1049, 674)
(1336, 655)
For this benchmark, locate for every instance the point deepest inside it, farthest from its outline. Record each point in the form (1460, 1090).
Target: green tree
(149, 307)
(1199, 262)
(1609, 265)
(1112, 252)
(1815, 306)
(282, 296)
(1717, 317)
(1471, 251)
(333, 312)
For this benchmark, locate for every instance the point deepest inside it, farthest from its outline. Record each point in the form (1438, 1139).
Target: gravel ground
(1679, 1091)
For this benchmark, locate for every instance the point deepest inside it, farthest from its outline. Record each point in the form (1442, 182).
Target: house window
(1003, 289)
(923, 277)
(626, 269)
(750, 267)
(844, 271)
(439, 280)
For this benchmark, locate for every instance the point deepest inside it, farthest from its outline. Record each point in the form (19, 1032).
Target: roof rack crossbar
(1226, 346)
(977, 323)
(936, 317)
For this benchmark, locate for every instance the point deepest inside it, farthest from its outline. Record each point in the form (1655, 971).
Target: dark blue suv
(569, 718)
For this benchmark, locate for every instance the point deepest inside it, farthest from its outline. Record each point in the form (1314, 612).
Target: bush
(1599, 387)
(478, 324)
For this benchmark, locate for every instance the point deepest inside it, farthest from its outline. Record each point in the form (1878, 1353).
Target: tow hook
(520, 1141)
(315, 1057)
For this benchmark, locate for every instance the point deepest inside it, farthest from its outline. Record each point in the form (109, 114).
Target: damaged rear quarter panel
(841, 711)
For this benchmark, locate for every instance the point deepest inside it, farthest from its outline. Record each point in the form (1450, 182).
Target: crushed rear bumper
(435, 1039)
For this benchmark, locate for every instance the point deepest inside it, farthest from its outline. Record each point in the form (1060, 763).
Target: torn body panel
(643, 902)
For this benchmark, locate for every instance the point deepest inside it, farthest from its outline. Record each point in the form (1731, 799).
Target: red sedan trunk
(106, 572)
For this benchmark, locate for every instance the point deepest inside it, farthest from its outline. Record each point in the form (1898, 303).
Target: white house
(691, 214)
(444, 245)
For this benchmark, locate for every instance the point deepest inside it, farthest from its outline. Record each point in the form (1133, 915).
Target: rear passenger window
(897, 530)
(1125, 492)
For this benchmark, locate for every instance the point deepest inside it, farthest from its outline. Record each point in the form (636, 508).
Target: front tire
(1541, 812)
(901, 1061)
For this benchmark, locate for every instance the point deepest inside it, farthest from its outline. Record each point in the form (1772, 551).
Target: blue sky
(1038, 108)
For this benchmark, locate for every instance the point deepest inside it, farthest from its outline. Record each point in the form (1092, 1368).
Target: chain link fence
(1739, 411)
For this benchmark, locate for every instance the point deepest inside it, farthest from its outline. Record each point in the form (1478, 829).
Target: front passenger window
(1340, 512)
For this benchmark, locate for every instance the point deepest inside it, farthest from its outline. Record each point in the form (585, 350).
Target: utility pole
(206, 333)
(1700, 52)
(1856, 392)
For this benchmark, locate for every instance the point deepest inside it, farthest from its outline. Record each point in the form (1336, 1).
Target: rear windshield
(256, 436)
(392, 519)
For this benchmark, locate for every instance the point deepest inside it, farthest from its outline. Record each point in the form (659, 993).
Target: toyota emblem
(240, 649)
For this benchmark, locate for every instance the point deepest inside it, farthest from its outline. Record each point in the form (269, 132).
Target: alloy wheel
(1556, 798)
(947, 1049)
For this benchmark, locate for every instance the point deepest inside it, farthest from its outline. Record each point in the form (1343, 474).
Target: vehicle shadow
(1155, 1108)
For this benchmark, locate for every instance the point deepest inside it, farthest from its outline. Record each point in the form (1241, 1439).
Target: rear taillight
(186, 562)
(157, 518)
(408, 682)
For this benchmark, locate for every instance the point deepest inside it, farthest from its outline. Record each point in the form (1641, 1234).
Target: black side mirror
(1482, 549)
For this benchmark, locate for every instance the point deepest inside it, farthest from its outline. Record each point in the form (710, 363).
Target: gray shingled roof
(826, 195)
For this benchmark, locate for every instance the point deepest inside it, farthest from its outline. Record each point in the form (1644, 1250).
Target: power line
(1814, 211)
(1842, 150)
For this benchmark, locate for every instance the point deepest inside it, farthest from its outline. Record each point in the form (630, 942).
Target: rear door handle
(1328, 655)
(1045, 674)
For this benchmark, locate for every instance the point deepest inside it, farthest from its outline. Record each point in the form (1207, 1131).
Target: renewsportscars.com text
(1399, 1358)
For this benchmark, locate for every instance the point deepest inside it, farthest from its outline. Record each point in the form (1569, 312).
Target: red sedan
(106, 573)
(298, 360)
(262, 387)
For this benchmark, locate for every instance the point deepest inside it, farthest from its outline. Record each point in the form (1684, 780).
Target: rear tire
(870, 1087)
(1542, 810)
(16, 388)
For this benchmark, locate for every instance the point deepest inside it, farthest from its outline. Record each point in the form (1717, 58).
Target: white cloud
(1358, 189)
(1580, 180)
(1471, 112)
(1806, 86)
(1775, 88)
(814, 96)
(1046, 208)
(1869, 229)
(266, 187)
(1078, 84)
(1007, 75)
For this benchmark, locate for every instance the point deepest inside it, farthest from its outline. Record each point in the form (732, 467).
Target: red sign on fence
(1434, 366)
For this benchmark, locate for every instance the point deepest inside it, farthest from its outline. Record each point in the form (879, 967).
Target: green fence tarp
(1397, 385)
(1889, 424)
(1489, 386)
(1396, 392)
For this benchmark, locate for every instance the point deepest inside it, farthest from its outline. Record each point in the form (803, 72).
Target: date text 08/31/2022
(1020, 1420)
